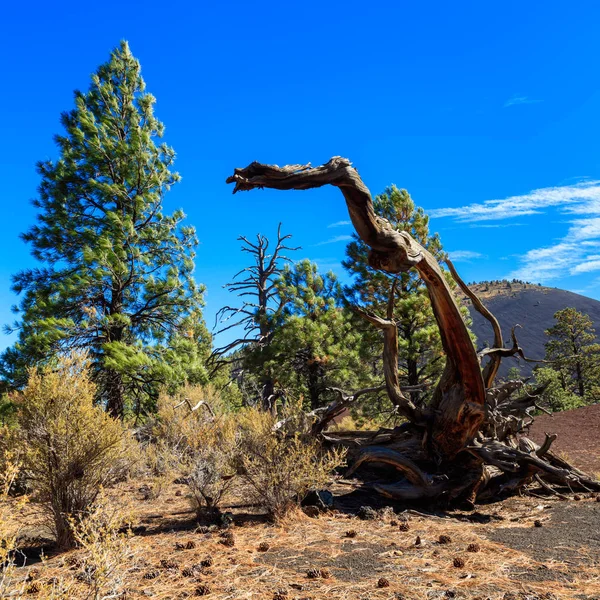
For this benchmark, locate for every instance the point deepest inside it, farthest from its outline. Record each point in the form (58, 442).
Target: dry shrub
(354, 423)
(72, 447)
(280, 467)
(8, 535)
(198, 445)
(107, 549)
(12, 583)
(210, 476)
(177, 426)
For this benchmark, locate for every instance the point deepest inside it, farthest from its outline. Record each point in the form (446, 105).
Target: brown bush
(198, 446)
(8, 534)
(106, 547)
(279, 468)
(72, 448)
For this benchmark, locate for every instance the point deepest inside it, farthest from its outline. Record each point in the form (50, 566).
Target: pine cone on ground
(351, 534)
(207, 562)
(313, 573)
(473, 548)
(263, 547)
(33, 588)
(153, 574)
(168, 564)
(459, 562)
(445, 539)
(83, 576)
(383, 583)
(202, 590)
(404, 526)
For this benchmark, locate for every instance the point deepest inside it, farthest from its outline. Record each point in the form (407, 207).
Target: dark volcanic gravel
(572, 535)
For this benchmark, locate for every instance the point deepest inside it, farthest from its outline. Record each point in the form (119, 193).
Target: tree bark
(115, 394)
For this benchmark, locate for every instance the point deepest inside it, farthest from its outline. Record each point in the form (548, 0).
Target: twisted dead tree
(469, 443)
(260, 305)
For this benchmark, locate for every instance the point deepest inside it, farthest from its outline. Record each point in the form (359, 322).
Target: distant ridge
(529, 305)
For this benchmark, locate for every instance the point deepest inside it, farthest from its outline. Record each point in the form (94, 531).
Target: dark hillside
(533, 308)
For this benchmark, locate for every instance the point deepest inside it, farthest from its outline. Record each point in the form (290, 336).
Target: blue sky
(487, 112)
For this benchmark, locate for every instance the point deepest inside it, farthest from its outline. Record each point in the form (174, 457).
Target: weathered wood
(403, 405)
(460, 395)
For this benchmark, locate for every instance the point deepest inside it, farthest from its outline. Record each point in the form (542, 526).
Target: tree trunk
(412, 376)
(115, 396)
(269, 396)
(580, 382)
(470, 440)
(314, 387)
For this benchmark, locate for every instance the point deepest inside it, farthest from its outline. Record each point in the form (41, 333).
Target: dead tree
(469, 442)
(259, 308)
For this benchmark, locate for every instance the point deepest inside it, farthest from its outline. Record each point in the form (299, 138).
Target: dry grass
(270, 559)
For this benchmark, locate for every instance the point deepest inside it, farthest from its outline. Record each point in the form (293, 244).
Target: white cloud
(581, 198)
(516, 99)
(333, 240)
(464, 255)
(573, 254)
(339, 224)
(591, 263)
(569, 256)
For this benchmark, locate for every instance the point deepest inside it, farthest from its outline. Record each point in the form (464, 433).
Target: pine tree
(116, 274)
(555, 396)
(315, 346)
(575, 353)
(421, 359)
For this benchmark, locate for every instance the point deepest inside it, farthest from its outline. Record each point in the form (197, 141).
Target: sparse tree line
(111, 334)
(504, 282)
